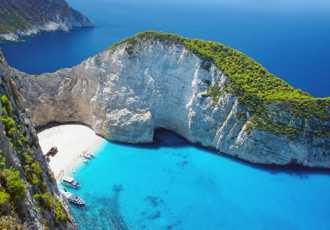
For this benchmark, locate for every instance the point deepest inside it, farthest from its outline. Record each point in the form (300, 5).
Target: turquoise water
(291, 38)
(171, 184)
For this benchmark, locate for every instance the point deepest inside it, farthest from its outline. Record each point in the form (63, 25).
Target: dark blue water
(171, 184)
(290, 38)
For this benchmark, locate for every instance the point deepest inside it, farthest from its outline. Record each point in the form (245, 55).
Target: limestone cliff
(26, 17)
(149, 82)
(29, 196)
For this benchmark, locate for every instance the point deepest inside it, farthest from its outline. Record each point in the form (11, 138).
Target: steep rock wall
(126, 92)
(32, 200)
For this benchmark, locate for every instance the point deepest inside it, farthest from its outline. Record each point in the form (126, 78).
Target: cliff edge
(29, 197)
(204, 91)
(24, 18)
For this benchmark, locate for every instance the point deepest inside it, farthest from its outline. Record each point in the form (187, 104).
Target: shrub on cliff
(257, 90)
(12, 182)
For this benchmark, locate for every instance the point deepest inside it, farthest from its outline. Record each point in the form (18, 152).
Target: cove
(171, 184)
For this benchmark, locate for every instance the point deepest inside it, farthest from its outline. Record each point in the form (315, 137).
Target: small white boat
(87, 156)
(86, 161)
(73, 198)
(91, 154)
(70, 182)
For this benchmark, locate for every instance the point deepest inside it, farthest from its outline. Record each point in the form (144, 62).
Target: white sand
(71, 141)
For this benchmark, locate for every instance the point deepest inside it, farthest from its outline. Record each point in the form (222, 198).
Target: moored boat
(73, 198)
(87, 156)
(91, 154)
(70, 182)
(52, 151)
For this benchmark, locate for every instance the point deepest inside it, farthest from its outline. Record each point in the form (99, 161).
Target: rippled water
(172, 184)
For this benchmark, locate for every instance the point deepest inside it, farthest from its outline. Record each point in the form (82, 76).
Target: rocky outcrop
(33, 17)
(128, 91)
(29, 196)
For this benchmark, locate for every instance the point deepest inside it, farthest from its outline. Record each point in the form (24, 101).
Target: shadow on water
(108, 207)
(157, 208)
(162, 138)
(167, 138)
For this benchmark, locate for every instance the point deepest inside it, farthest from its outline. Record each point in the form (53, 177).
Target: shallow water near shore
(172, 184)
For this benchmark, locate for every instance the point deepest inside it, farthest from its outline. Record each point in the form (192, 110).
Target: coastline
(18, 36)
(73, 19)
(71, 140)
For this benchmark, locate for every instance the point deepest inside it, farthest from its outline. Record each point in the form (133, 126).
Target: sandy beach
(71, 140)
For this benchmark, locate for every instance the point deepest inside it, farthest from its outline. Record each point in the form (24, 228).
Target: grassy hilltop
(264, 96)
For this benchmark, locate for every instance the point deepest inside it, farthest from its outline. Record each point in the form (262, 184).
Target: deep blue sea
(290, 38)
(171, 184)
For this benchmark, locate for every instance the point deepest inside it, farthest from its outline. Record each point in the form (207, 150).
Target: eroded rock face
(21, 149)
(125, 94)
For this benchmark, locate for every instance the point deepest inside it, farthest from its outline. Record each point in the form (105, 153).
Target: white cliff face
(124, 97)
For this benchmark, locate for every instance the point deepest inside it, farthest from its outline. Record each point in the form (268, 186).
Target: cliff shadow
(54, 124)
(167, 138)
(162, 138)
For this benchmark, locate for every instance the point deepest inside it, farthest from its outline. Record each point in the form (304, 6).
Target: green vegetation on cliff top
(262, 95)
(11, 22)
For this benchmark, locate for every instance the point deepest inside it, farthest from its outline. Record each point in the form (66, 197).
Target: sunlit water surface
(172, 184)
